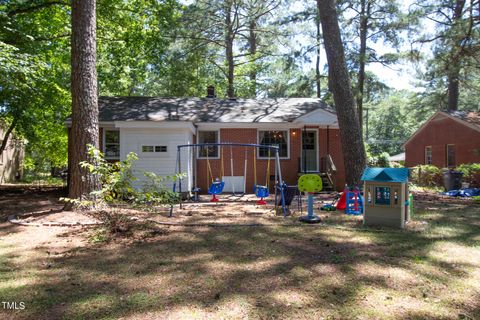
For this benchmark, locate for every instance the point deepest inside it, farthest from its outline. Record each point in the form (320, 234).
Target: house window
(160, 148)
(275, 138)
(428, 155)
(208, 137)
(450, 155)
(112, 144)
(156, 149)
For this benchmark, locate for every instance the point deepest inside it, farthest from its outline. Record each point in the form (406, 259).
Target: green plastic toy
(310, 183)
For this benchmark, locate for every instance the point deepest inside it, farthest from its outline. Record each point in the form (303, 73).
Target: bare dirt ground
(278, 269)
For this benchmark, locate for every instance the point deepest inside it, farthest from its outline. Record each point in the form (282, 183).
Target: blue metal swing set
(216, 187)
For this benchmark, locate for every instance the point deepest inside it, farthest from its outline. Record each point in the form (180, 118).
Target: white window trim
(105, 145)
(317, 146)
(219, 147)
(273, 155)
(431, 155)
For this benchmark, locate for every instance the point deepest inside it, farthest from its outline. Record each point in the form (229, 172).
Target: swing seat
(261, 191)
(216, 187)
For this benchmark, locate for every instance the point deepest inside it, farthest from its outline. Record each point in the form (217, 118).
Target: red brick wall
(439, 132)
(289, 166)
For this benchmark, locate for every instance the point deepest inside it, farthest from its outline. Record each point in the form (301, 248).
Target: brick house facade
(154, 127)
(447, 139)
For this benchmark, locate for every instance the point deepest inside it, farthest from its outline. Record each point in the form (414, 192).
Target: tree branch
(37, 7)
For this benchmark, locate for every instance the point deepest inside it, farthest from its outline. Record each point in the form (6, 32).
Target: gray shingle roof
(206, 109)
(470, 117)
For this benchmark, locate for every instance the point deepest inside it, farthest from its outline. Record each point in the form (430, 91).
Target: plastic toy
(216, 188)
(354, 202)
(387, 200)
(310, 183)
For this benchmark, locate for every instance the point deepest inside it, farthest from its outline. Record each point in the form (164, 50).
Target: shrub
(471, 174)
(383, 160)
(427, 176)
(116, 178)
(155, 191)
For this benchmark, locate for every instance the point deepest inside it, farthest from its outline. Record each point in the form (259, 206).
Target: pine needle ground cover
(304, 272)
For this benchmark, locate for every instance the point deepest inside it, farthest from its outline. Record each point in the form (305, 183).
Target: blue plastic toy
(354, 202)
(216, 188)
(261, 192)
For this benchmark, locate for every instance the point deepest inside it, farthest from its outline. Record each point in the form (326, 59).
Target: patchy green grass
(314, 272)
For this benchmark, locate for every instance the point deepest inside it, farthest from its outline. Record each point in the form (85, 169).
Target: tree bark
(453, 66)
(317, 63)
(350, 133)
(7, 135)
(364, 14)
(252, 50)
(229, 49)
(84, 97)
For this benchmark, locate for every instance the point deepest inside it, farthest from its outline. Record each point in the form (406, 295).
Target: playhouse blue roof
(385, 174)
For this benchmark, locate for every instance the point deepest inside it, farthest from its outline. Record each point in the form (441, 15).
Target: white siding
(164, 164)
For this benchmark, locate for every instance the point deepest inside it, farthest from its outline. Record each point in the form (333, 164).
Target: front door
(309, 157)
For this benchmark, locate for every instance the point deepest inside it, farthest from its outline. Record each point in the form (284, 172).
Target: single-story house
(11, 158)
(446, 139)
(305, 129)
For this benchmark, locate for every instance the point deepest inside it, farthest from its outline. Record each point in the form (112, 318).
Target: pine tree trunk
(317, 63)
(453, 67)
(252, 50)
(84, 96)
(453, 86)
(364, 13)
(229, 49)
(350, 133)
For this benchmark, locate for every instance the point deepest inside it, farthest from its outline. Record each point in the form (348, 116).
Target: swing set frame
(278, 169)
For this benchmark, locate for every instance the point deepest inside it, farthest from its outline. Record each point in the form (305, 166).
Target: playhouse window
(208, 137)
(428, 155)
(112, 144)
(382, 195)
(275, 138)
(450, 155)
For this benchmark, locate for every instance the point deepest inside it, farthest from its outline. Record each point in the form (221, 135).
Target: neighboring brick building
(447, 139)
(305, 129)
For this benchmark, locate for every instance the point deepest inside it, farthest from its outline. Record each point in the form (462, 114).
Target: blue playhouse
(386, 197)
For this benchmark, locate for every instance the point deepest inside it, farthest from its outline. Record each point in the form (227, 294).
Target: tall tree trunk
(252, 50)
(453, 66)
(317, 63)
(364, 14)
(84, 96)
(7, 135)
(350, 133)
(229, 49)
(453, 85)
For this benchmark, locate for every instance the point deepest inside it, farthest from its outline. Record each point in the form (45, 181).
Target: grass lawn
(298, 271)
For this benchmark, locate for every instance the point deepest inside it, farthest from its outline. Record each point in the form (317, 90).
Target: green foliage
(391, 122)
(427, 176)
(116, 178)
(454, 39)
(117, 184)
(471, 174)
(155, 192)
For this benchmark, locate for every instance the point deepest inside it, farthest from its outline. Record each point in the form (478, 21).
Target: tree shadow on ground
(261, 272)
